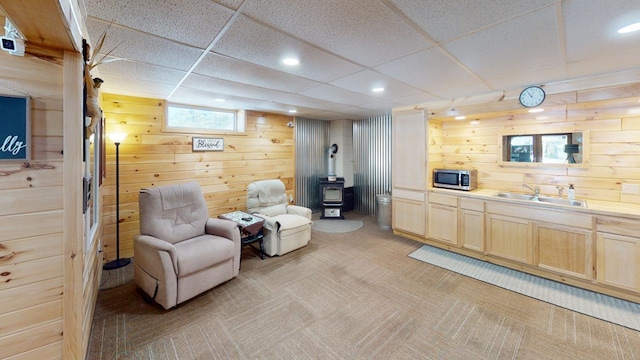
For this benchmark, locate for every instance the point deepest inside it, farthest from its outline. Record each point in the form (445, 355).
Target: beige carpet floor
(350, 295)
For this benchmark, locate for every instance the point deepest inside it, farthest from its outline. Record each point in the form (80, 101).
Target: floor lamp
(117, 263)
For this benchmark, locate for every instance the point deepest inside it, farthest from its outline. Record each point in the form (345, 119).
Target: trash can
(383, 202)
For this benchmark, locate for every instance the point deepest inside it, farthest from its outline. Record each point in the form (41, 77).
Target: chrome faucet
(535, 189)
(560, 188)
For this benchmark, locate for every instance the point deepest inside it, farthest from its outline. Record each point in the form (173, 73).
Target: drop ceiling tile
(198, 97)
(445, 20)
(607, 63)
(138, 46)
(231, 4)
(137, 70)
(416, 99)
(225, 87)
(284, 109)
(524, 44)
(427, 70)
(591, 28)
(363, 31)
(249, 41)
(461, 91)
(362, 82)
(337, 95)
(309, 102)
(536, 77)
(135, 87)
(194, 22)
(224, 67)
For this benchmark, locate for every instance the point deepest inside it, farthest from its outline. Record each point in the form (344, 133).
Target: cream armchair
(180, 251)
(287, 227)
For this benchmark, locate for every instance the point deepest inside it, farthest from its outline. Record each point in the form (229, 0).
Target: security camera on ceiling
(13, 46)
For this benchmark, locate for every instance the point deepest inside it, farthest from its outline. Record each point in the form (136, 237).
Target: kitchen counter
(594, 207)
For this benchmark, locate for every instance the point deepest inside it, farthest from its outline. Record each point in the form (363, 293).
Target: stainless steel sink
(515, 196)
(543, 199)
(569, 202)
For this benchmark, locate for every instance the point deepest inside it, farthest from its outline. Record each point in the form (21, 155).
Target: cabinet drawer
(533, 212)
(618, 226)
(449, 200)
(472, 204)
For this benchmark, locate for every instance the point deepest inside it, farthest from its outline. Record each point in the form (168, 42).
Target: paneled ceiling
(200, 51)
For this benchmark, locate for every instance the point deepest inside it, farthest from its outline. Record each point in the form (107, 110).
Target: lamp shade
(117, 137)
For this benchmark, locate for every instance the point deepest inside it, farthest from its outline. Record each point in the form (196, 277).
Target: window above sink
(555, 148)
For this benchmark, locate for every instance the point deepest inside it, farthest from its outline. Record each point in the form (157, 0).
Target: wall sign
(15, 128)
(207, 144)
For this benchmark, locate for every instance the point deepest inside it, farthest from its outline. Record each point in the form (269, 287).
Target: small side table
(250, 227)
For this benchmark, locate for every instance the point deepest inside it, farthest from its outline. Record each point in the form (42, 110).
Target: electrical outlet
(631, 189)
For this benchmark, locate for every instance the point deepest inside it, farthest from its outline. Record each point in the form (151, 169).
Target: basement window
(544, 148)
(193, 119)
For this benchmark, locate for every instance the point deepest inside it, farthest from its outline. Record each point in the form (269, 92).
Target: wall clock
(532, 96)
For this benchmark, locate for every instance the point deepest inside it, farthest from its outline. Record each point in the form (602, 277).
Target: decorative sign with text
(207, 144)
(15, 126)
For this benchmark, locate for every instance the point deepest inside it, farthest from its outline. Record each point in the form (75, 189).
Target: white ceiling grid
(419, 51)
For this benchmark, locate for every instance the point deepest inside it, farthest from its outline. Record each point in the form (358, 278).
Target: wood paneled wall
(31, 213)
(149, 157)
(614, 126)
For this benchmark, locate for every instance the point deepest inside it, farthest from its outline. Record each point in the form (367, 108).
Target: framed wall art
(207, 144)
(15, 128)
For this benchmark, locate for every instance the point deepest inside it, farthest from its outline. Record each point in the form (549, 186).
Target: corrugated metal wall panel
(372, 161)
(312, 142)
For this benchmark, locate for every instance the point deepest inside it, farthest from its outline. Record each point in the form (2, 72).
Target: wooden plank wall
(614, 126)
(149, 156)
(31, 213)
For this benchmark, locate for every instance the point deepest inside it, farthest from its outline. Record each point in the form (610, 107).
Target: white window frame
(239, 118)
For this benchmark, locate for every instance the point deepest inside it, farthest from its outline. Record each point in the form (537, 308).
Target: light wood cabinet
(471, 224)
(472, 229)
(409, 149)
(408, 215)
(443, 223)
(618, 252)
(564, 249)
(618, 259)
(408, 170)
(442, 218)
(510, 238)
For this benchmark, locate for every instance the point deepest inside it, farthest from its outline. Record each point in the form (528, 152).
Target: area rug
(336, 226)
(608, 308)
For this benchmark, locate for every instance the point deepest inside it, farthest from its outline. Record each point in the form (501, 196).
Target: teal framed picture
(15, 128)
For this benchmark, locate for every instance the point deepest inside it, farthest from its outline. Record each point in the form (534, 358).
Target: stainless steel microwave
(455, 179)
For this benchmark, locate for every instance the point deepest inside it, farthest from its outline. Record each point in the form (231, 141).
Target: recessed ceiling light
(536, 110)
(461, 117)
(629, 28)
(290, 61)
(293, 111)
(377, 89)
(474, 122)
(220, 100)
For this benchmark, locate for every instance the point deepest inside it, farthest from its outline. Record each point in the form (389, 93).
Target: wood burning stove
(332, 196)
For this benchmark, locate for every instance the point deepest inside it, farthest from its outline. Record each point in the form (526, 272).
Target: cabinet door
(408, 215)
(472, 229)
(409, 146)
(443, 223)
(510, 238)
(618, 260)
(564, 249)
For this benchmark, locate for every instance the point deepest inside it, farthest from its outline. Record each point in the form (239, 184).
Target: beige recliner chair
(181, 252)
(286, 227)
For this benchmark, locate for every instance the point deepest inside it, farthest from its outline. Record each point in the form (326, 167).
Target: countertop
(594, 207)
